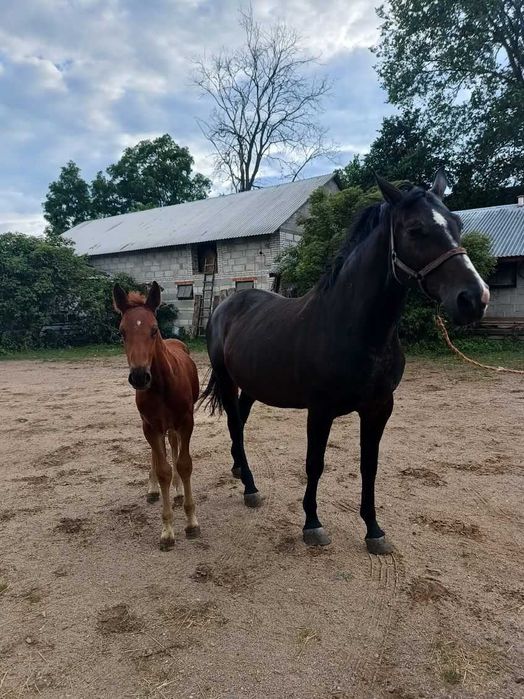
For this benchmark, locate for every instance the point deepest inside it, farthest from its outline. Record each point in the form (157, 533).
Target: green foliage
(462, 64)
(403, 150)
(68, 200)
(324, 230)
(153, 173)
(51, 297)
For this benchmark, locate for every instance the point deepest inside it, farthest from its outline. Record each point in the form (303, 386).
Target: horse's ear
(153, 298)
(120, 303)
(440, 183)
(390, 193)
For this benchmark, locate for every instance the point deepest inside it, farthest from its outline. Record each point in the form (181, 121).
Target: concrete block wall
(508, 302)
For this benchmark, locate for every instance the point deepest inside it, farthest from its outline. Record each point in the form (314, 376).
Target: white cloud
(81, 80)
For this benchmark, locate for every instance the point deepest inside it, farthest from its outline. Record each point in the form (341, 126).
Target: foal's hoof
(178, 501)
(316, 537)
(192, 532)
(379, 546)
(152, 497)
(166, 544)
(236, 472)
(252, 499)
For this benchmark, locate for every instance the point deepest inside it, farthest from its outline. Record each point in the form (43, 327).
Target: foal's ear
(440, 183)
(153, 298)
(390, 193)
(120, 303)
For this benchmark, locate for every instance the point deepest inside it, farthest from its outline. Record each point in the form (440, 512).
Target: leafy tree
(68, 200)
(265, 104)
(403, 150)
(44, 284)
(153, 173)
(324, 230)
(462, 64)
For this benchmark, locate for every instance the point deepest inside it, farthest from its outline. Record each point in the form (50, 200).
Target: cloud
(82, 80)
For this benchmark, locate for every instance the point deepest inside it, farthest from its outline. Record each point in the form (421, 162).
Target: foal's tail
(212, 396)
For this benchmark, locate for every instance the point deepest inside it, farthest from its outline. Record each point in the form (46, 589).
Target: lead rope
(440, 325)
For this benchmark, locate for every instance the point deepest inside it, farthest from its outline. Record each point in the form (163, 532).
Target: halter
(419, 276)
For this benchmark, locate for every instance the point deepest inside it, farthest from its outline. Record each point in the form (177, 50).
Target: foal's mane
(362, 225)
(135, 298)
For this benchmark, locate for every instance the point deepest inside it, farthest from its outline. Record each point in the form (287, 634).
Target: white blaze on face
(485, 289)
(441, 221)
(139, 322)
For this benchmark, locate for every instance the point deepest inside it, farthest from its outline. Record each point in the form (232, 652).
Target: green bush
(51, 297)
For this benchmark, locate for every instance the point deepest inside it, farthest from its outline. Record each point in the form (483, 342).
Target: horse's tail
(212, 396)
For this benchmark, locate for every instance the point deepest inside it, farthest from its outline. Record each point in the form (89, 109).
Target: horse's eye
(154, 331)
(416, 231)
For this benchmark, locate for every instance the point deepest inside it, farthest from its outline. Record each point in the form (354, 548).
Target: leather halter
(419, 276)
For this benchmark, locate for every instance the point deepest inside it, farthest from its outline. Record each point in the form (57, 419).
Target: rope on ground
(443, 330)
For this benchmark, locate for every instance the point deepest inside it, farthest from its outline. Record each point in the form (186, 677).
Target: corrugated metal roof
(257, 212)
(503, 224)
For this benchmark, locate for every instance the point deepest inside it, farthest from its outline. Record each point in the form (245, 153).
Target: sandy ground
(90, 607)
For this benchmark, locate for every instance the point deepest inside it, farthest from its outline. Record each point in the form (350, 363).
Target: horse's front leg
(184, 467)
(178, 497)
(164, 475)
(373, 420)
(318, 429)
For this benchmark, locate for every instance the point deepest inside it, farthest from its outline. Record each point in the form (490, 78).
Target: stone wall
(508, 302)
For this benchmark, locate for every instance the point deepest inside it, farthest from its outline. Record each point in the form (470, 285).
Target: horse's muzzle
(470, 305)
(140, 378)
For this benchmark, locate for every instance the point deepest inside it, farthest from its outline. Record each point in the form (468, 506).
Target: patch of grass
(58, 354)
(471, 667)
(508, 352)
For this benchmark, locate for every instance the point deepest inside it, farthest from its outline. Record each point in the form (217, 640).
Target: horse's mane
(135, 298)
(361, 227)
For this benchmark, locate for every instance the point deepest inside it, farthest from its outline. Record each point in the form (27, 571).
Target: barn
(505, 227)
(201, 250)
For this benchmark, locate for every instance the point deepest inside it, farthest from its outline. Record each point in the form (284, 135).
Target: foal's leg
(372, 423)
(245, 404)
(184, 466)
(153, 489)
(177, 481)
(164, 475)
(235, 425)
(318, 429)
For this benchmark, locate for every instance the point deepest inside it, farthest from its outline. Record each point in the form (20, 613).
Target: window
(205, 258)
(505, 275)
(184, 292)
(244, 284)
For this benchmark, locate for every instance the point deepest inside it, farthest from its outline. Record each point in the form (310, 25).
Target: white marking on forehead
(139, 322)
(441, 221)
(438, 218)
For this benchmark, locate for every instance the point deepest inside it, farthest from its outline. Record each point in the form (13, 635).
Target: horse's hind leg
(177, 481)
(184, 466)
(235, 425)
(372, 423)
(245, 404)
(318, 429)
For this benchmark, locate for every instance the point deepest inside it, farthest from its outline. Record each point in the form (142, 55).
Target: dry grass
(471, 668)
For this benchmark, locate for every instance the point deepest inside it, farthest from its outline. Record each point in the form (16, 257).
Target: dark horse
(336, 349)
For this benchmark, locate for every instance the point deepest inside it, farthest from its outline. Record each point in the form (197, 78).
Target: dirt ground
(90, 607)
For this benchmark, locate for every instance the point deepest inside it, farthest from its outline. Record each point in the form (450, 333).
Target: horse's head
(139, 331)
(425, 250)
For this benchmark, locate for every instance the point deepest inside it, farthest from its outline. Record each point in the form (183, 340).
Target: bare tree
(265, 105)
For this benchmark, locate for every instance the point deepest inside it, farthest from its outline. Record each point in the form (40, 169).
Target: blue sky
(82, 79)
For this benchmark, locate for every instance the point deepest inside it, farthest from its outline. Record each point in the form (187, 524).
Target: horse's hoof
(178, 500)
(252, 499)
(166, 544)
(152, 497)
(192, 532)
(236, 470)
(316, 537)
(379, 546)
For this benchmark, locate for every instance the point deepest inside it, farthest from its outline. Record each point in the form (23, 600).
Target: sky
(82, 79)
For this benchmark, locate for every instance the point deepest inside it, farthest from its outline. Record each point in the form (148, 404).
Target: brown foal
(166, 382)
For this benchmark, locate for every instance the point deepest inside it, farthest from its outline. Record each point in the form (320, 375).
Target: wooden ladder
(206, 304)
